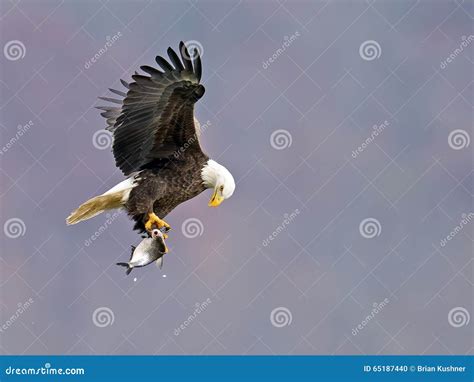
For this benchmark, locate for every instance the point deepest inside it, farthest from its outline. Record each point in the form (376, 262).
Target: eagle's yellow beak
(216, 198)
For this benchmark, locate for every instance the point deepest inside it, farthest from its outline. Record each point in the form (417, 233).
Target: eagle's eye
(222, 188)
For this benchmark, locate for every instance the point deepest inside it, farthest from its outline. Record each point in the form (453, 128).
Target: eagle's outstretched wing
(156, 116)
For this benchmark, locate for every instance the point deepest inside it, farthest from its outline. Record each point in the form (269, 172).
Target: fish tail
(160, 262)
(129, 268)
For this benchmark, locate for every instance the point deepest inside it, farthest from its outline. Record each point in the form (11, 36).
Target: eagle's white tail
(116, 197)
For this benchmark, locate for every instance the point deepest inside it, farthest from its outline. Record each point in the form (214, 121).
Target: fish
(149, 250)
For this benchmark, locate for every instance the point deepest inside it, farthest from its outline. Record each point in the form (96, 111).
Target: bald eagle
(156, 145)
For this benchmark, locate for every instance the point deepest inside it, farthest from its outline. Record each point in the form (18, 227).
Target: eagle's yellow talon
(155, 220)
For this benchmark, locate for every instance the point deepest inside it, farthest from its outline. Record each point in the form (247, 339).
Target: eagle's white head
(217, 177)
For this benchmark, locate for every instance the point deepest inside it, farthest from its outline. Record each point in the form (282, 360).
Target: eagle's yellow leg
(155, 220)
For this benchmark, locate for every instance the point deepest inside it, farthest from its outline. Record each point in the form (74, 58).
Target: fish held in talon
(149, 250)
(155, 221)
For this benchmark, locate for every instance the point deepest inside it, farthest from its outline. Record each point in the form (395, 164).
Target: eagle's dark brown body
(151, 122)
(164, 185)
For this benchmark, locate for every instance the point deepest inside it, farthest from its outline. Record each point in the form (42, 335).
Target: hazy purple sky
(293, 89)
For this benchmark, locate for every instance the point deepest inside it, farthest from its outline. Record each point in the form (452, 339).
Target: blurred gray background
(357, 265)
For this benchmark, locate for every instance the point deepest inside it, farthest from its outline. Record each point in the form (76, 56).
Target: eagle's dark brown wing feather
(156, 116)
